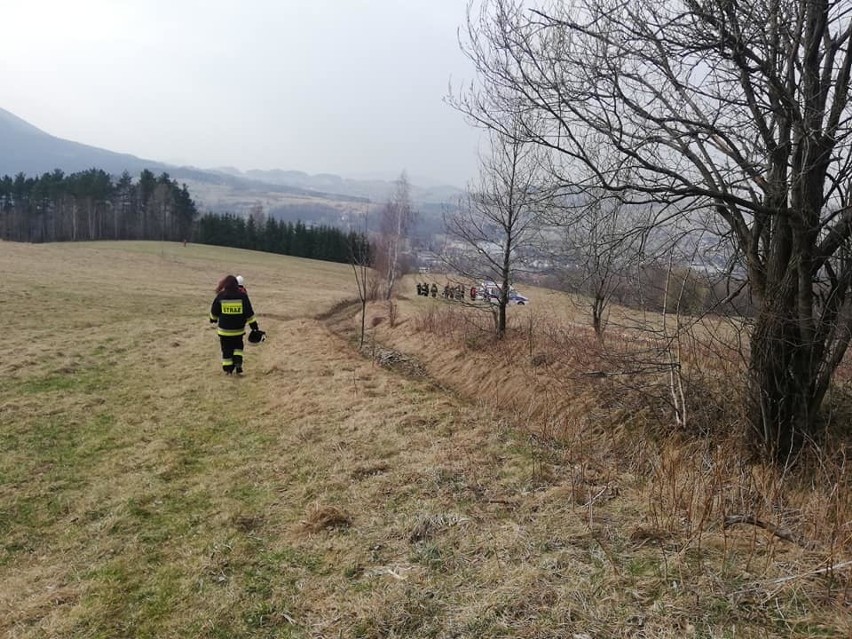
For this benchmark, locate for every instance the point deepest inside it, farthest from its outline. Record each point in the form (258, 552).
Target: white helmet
(240, 280)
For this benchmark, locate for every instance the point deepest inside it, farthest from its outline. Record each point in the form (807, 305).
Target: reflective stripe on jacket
(232, 311)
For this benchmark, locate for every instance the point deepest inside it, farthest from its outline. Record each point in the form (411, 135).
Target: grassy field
(145, 494)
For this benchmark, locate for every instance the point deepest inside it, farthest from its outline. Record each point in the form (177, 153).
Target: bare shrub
(427, 320)
(449, 321)
(374, 286)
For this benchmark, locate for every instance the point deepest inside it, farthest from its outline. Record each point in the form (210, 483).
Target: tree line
(285, 238)
(92, 205)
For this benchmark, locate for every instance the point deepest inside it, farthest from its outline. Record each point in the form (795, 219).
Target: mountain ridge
(32, 151)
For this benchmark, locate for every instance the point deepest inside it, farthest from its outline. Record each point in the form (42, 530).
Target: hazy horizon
(354, 89)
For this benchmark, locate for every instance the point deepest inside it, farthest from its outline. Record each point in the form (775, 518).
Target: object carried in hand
(257, 336)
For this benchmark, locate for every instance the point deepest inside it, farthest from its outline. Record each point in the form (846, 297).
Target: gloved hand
(256, 336)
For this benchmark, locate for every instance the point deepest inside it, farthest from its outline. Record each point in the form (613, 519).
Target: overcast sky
(352, 87)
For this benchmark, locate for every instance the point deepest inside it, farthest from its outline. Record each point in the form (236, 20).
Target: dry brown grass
(323, 495)
(607, 408)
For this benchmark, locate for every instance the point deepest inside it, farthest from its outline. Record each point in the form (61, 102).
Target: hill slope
(143, 493)
(29, 150)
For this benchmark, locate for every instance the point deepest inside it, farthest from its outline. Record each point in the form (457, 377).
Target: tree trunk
(784, 398)
(598, 305)
(90, 218)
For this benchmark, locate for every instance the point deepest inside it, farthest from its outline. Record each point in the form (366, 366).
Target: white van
(489, 290)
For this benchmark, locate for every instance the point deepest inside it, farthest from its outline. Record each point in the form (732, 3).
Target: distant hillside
(30, 150)
(289, 195)
(376, 190)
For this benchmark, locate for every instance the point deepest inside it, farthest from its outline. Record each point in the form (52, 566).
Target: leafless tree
(396, 222)
(742, 107)
(600, 245)
(498, 218)
(360, 259)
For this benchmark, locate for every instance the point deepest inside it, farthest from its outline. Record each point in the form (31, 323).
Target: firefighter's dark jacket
(232, 311)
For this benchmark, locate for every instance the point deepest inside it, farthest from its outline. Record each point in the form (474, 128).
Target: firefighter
(434, 290)
(231, 311)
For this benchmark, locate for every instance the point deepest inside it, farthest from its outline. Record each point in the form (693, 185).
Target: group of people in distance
(454, 292)
(424, 289)
(230, 312)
